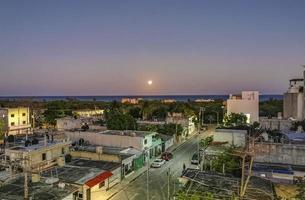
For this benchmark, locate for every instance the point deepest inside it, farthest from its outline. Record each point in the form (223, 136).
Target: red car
(167, 156)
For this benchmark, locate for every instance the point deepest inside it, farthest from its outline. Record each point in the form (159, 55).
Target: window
(44, 156)
(12, 115)
(23, 114)
(102, 184)
(12, 123)
(63, 151)
(24, 122)
(145, 141)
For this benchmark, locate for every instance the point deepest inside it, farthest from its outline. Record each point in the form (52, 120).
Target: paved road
(158, 179)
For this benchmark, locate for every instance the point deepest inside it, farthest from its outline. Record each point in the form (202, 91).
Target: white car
(157, 163)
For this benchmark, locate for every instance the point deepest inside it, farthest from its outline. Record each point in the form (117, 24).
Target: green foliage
(166, 129)
(206, 142)
(295, 125)
(150, 128)
(270, 108)
(57, 109)
(135, 112)
(170, 129)
(182, 195)
(255, 125)
(230, 161)
(2, 129)
(116, 120)
(301, 191)
(235, 119)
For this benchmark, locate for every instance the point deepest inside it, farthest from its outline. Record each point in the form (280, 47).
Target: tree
(227, 160)
(171, 129)
(206, 142)
(235, 119)
(116, 120)
(135, 112)
(301, 191)
(2, 129)
(270, 108)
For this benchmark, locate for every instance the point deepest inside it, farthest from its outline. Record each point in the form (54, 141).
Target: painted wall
(248, 104)
(17, 120)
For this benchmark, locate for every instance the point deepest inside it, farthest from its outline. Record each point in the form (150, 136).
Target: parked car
(157, 163)
(195, 159)
(167, 156)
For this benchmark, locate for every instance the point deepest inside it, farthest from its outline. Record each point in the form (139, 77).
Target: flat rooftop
(101, 165)
(14, 190)
(39, 146)
(127, 133)
(72, 175)
(107, 150)
(224, 186)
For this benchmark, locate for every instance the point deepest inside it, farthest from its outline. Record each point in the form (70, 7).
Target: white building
(247, 103)
(140, 140)
(17, 120)
(231, 137)
(294, 100)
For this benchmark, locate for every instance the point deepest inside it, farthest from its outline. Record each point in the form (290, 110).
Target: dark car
(196, 159)
(167, 156)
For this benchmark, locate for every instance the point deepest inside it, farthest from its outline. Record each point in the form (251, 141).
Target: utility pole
(147, 177)
(26, 187)
(168, 183)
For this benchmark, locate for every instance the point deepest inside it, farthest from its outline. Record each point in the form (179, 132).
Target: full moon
(149, 82)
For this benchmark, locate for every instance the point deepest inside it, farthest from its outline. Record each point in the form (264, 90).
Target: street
(158, 179)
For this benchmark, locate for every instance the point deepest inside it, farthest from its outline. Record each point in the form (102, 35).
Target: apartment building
(17, 120)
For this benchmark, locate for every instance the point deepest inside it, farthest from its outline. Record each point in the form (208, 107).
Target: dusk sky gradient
(78, 47)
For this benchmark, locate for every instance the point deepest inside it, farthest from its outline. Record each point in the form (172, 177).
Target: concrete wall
(107, 140)
(292, 105)
(248, 105)
(275, 124)
(95, 156)
(280, 153)
(232, 137)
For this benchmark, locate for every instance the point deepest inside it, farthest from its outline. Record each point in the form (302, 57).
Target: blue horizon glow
(72, 48)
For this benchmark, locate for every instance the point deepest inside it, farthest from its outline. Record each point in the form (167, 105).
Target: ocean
(183, 98)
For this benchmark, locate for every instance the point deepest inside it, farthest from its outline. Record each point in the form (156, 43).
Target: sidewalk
(125, 182)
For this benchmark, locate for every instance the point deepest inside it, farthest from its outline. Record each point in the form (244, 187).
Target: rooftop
(127, 133)
(14, 190)
(39, 146)
(224, 186)
(73, 175)
(101, 165)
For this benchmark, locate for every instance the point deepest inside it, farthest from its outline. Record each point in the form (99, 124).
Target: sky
(102, 47)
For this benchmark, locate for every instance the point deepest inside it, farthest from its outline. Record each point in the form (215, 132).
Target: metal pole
(147, 178)
(168, 185)
(26, 188)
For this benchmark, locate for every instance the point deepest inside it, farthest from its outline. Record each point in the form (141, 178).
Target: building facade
(294, 100)
(140, 140)
(17, 120)
(247, 103)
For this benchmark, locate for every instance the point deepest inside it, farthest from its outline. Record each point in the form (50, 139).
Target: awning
(98, 179)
